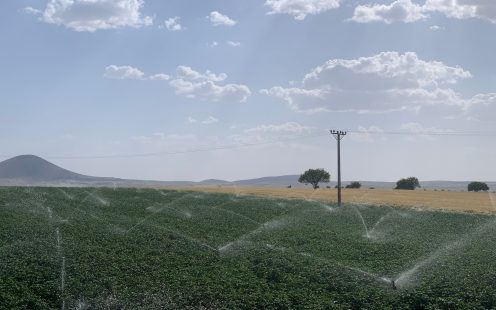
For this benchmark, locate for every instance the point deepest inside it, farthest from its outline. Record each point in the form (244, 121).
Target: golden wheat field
(440, 200)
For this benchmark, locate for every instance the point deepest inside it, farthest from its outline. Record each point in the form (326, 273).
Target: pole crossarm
(338, 134)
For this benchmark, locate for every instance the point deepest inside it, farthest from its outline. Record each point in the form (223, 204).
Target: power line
(222, 147)
(427, 133)
(275, 141)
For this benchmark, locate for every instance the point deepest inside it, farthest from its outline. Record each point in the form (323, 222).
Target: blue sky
(91, 78)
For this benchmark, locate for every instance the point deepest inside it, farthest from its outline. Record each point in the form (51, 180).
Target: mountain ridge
(31, 170)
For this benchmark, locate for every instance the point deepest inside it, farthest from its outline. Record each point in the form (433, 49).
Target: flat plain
(481, 202)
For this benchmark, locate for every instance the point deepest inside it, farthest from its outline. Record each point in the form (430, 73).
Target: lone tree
(314, 177)
(410, 183)
(477, 187)
(354, 185)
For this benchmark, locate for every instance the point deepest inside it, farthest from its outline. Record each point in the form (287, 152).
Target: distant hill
(33, 170)
(30, 170)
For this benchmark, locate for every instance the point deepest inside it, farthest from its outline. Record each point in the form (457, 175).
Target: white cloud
(218, 19)
(185, 72)
(414, 127)
(408, 11)
(123, 72)
(458, 9)
(299, 9)
(172, 24)
(289, 127)
(233, 43)
(436, 28)
(366, 134)
(159, 77)
(388, 81)
(93, 15)
(32, 11)
(398, 11)
(481, 107)
(210, 120)
(195, 85)
(295, 95)
(213, 44)
(191, 120)
(283, 133)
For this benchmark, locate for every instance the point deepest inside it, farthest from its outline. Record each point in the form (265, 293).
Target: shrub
(477, 187)
(354, 185)
(409, 183)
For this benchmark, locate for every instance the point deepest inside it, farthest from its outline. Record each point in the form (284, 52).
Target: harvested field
(439, 200)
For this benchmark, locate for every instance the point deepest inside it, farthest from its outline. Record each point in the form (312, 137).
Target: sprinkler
(393, 285)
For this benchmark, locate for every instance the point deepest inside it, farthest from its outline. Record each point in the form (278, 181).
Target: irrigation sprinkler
(393, 285)
(339, 135)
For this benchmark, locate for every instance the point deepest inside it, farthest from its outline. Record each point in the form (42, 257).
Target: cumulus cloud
(210, 120)
(93, 15)
(481, 107)
(387, 81)
(408, 11)
(32, 11)
(206, 86)
(419, 129)
(213, 44)
(299, 9)
(159, 77)
(288, 127)
(233, 43)
(436, 28)
(218, 19)
(131, 73)
(366, 134)
(272, 132)
(172, 24)
(398, 11)
(123, 72)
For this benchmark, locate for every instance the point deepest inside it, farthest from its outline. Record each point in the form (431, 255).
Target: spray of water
(159, 209)
(163, 194)
(50, 212)
(409, 276)
(270, 225)
(367, 234)
(58, 241)
(147, 218)
(62, 280)
(96, 199)
(219, 207)
(333, 262)
(66, 194)
(186, 237)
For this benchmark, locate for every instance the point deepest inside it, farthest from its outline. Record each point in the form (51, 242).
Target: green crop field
(86, 248)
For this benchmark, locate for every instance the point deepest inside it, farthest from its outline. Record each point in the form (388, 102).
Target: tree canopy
(410, 183)
(477, 187)
(314, 177)
(354, 185)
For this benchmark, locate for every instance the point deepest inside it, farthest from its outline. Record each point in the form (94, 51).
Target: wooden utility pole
(339, 135)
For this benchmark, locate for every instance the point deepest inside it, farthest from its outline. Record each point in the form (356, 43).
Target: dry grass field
(440, 200)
